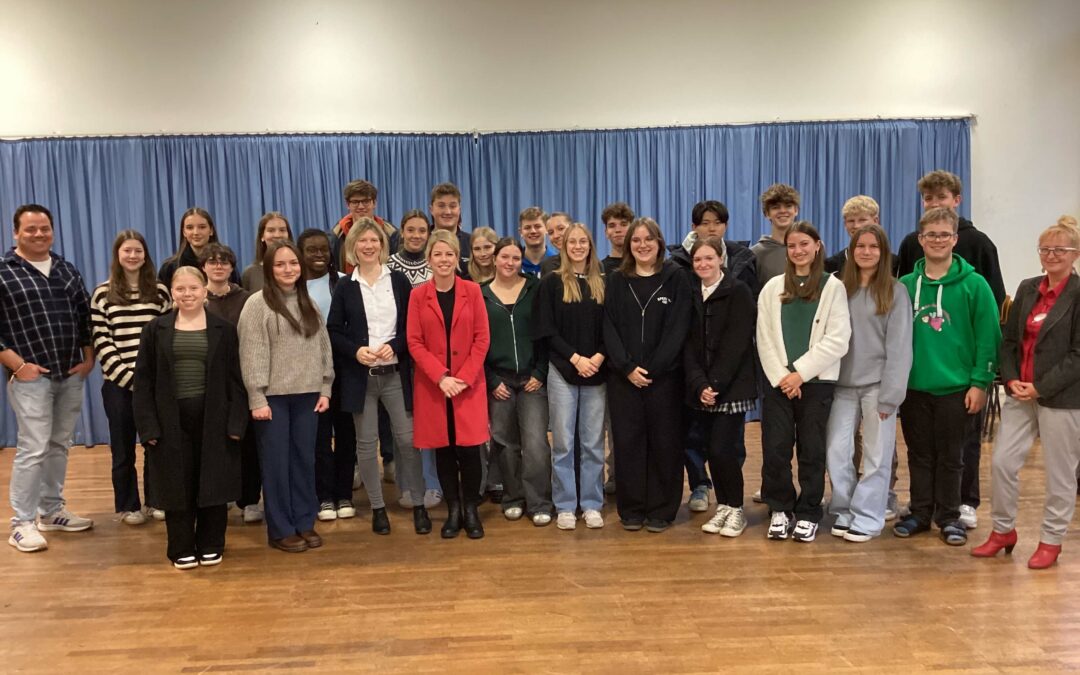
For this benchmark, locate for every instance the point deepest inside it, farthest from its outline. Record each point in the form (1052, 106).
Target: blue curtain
(98, 186)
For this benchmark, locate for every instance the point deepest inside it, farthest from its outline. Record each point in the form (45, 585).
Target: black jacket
(971, 245)
(647, 332)
(720, 350)
(347, 325)
(739, 263)
(1057, 348)
(157, 414)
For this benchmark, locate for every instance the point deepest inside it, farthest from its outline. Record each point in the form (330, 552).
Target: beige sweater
(275, 359)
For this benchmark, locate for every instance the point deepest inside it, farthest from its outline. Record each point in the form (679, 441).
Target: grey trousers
(519, 441)
(1021, 423)
(387, 388)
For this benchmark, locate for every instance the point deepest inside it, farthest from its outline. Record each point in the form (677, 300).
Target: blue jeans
(583, 407)
(287, 459)
(859, 503)
(46, 412)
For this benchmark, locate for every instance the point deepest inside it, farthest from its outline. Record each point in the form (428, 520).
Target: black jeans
(459, 466)
(972, 453)
(250, 471)
(724, 435)
(194, 530)
(122, 436)
(334, 461)
(935, 428)
(798, 423)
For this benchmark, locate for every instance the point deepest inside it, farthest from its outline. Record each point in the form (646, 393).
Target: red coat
(469, 340)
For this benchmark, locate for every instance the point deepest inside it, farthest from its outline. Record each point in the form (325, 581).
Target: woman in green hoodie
(955, 341)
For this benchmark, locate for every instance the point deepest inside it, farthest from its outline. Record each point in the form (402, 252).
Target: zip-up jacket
(647, 332)
(720, 350)
(513, 349)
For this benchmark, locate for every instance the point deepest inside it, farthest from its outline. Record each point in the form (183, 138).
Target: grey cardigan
(1057, 348)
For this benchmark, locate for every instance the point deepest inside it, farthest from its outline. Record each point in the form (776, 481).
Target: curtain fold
(98, 186)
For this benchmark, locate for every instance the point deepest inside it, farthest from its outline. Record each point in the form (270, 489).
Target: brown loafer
(312, 538)
(291, 544)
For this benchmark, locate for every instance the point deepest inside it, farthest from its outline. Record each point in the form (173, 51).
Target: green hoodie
(956, 333)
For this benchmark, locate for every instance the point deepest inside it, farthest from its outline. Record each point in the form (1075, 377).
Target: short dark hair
(620, 210)
(360, 188)
(701, 208)
(779, 194)
(445, 190)
(217, 251)
(31, 208)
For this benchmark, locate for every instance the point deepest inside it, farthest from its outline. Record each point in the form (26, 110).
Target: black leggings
(459, 466)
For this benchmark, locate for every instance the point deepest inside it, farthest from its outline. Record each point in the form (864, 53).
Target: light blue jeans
(46, 412)
(573, 406)
(859, 503)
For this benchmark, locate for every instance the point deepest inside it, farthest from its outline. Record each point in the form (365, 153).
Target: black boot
(380, 523)
(452, 525)
(473, 527)
(421, 520)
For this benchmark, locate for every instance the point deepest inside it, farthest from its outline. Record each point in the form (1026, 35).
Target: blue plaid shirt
(46, 320)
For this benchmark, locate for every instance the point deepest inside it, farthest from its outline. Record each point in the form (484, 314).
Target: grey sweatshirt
(275, 359)
(771, 258)
(880, 350)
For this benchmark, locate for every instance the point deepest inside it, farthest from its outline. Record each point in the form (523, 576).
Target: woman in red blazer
(448, 340)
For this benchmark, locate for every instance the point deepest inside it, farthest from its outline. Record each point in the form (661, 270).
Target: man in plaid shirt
(45, 350)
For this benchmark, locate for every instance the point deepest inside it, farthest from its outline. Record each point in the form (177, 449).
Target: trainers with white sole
(541, 519)
(253, 513)
(327, 512)
(699, 499)
(968, 518)
(513, 513)
(735, 523)
(593, 519)
(64, 521)
(156, 514)
(210, 559)
(405, 501)
(133, 517)
(345, 509)
(892, 508)
(566, 521)
(716, 523)
(26, 538)
(757, 498)
(432, 498)
(779, 526)
(186, 563)
(805, 531)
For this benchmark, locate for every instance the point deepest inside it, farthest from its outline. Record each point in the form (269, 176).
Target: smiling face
(368, 250)
(316, 253)
(275, 229)
(782, 216)
(286, 269)
(414, 234)
(532, 232)
(867, 251)
(188, 291)
(1057, 265)
(443, 261)
(34, 237)
(556, 228)
(940, 198)
(361, 207)
(707, 263)
(483, 249)
(801, 249)
(577, 245)
(710, 226)
(644, 247)
(508, 262)
(937, 240)
(857, 220)
(446, 212)
(218, 271)
(131, 255)
(197, 231)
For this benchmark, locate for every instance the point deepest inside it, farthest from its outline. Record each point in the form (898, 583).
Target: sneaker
(716, 523)
(357, 481)
(132, 518)
(758, 499)
(699, 499)
(432, 498)
(593, 519)
(405, 501)
(892, 508)
(655, 525)
(631, 525)
(967, 516)
(779, 526)
(64, 521)
(609, 486)
(541, 519)
(327, 511)
(186, 563)
(856, 536)
(735, 524)
(253, 513)
(514, 513)
(388, 471)
(566, 520)
(26, 537)
(839, 530)
(345, 509)
(804, 531)
(210, 559)
(156, 514)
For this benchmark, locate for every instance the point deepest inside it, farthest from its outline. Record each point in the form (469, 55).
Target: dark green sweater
(512, 346)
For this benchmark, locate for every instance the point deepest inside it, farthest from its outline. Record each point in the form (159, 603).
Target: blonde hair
(442, 236)
(359, 227)
(475, 273)
(1067, 220)
(188, 269)
(593, 276)
(1063, 227)
(860, 205)
(881, 285)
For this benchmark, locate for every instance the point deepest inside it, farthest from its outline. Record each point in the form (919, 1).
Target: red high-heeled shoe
(1044, 556)
(995, 543)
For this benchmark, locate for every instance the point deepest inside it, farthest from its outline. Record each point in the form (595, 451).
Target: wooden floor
(528, 599)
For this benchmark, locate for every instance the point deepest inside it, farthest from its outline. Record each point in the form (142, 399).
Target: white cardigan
(829, 337)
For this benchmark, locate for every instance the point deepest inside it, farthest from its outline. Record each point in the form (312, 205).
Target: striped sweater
(115, 330)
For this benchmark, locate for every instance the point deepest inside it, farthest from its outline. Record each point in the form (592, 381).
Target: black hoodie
(971, 245)
(647, 331)
(720, 350)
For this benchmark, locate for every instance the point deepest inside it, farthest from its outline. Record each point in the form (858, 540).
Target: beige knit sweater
(275, 359)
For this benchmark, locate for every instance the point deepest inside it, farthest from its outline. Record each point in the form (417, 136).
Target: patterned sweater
(115, 330)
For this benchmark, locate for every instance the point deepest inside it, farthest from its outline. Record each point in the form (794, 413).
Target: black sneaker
(631, 525)
(856, 536)
(656, 525)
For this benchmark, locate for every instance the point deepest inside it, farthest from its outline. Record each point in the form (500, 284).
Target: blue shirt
(319, 291)
(533, 269)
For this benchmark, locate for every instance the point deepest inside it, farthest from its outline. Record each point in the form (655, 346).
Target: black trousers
(725, 452)
(335, 454)
(122, 438)
(459, 467)
(935, 428)
(798, 423)
(972, 453)
(647, 426)
(194, 530)
(250, 472)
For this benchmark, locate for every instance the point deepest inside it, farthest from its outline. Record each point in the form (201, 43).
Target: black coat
(647, 332)
(1057, 348)
(347, 325)
(720, 350)
(157, 414)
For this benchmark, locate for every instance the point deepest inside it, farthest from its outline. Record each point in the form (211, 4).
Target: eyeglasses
(1058, 251)
(366, 201)
(217, 263)
(936, 236)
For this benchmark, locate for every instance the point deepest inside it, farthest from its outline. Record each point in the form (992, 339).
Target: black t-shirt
(446, 304)
(569, 327)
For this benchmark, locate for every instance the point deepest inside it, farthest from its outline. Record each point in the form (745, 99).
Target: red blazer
(469, 339)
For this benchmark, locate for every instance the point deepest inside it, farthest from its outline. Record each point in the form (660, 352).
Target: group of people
(453, 355)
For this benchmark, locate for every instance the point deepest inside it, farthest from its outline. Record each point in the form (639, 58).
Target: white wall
(153, 66)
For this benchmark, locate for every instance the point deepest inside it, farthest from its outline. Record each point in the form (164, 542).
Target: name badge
(1039, 318)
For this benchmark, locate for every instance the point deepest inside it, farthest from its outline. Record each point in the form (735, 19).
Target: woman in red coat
(448, 340)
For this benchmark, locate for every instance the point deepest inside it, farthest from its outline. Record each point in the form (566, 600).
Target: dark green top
(189, 354)
(796, 322)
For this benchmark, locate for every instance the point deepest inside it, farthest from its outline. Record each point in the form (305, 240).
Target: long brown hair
(628, 267)
(881, 285)
(119, 293)
(194, 211)
(308, 325)
(811, 290)
(260, 245)
(593, 272)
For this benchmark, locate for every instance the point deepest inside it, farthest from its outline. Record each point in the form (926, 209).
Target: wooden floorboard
(528, 600)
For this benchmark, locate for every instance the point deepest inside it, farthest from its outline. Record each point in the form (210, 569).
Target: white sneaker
(779, 526)
(26, 538)
(514, 513)
(593, 519)
(566, 521)
(735, 524)
(758, 499)
(327, 512)
(253, 513)
(541, 519)
(432, 498)
(804, 531)
(156, 514)
(64, 521)
(405, 501)
(967, 517)
(345, 509)
(892, 508)
(716, 523)
(357, 481)
(132, 518)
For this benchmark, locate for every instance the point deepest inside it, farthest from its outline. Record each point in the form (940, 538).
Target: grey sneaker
(892, 508)
(64, 521)
(735, 524)
(253, 513)
(716, 523)
(699, 499)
